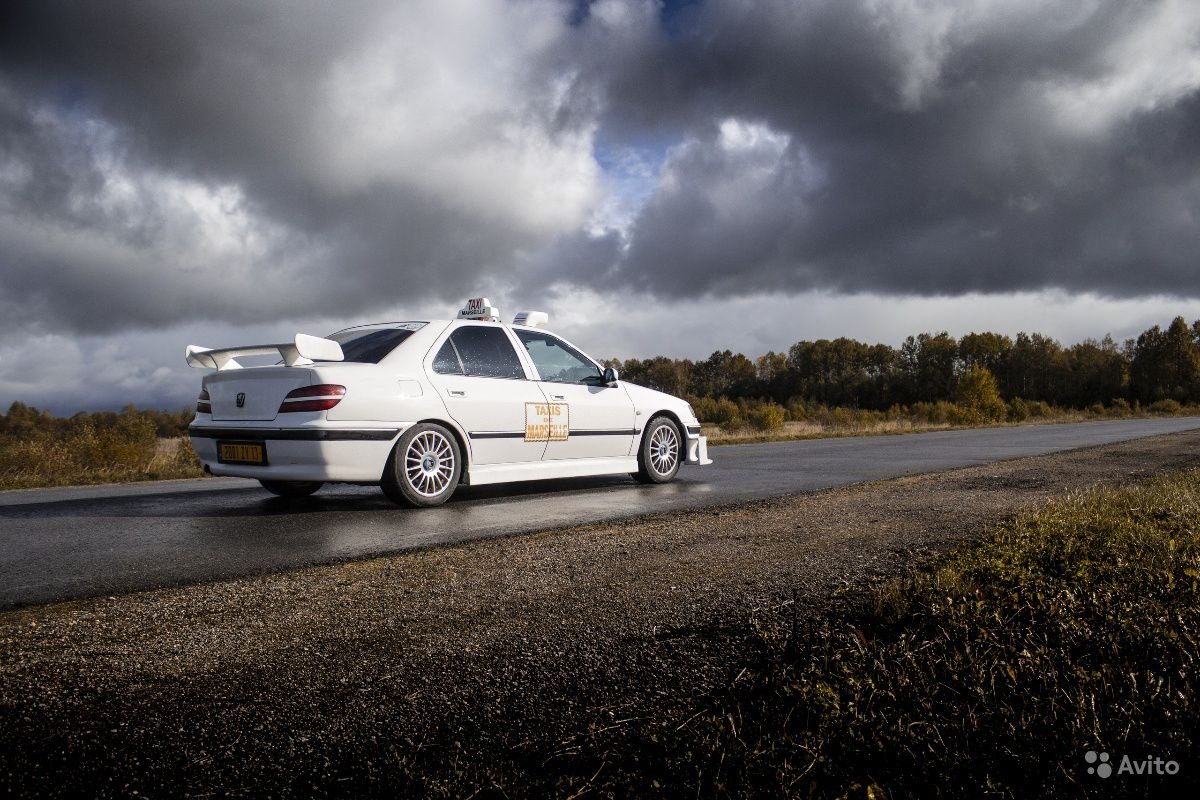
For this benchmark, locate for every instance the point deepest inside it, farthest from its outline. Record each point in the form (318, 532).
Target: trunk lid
(260, 389)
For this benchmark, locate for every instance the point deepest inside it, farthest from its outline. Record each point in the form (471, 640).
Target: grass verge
(88, 455)
(989, 672)
(840, 423)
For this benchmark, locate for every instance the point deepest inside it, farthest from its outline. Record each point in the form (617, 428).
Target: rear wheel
(659, 454)
(424, 468)
(292, 488)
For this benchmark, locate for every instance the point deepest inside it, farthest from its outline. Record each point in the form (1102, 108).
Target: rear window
(371, 345)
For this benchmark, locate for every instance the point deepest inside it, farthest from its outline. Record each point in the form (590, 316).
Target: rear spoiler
(305, 350)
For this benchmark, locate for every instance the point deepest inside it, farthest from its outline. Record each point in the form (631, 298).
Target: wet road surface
(58, 544)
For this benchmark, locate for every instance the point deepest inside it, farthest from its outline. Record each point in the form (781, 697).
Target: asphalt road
(58, 544)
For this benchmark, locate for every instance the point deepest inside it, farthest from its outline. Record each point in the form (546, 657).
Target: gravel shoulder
(430, 671)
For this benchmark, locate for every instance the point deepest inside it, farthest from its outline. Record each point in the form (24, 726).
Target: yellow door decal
(547, 422)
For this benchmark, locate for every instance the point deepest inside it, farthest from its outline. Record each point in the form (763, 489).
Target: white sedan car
(420, 408)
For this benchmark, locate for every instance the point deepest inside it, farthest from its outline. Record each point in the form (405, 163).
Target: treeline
(24, 420)
(1160, 366)
(40, 449)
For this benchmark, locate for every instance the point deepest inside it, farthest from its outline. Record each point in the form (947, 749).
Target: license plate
(242, 453)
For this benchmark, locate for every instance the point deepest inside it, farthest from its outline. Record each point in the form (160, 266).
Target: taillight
(321, 397)
(204, 403)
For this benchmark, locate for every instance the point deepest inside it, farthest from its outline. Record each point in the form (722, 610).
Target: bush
(1040, 408)
(977, 394)
(1018, 410)
(1119, 407)
(726, 412)
(843, 418)
(940, 413)
(719, 411)
(185, 459)
(1165, 407)
(800, 411)
(768, 417)
(703, 406)
(734, 424)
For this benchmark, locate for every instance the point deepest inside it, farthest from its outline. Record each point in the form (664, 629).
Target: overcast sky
(660, 177)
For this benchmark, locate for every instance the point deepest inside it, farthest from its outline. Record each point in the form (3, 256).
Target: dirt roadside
(434, 671)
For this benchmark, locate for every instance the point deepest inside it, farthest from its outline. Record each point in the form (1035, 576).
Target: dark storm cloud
(930, 150)
(163, 162)
(167, 161)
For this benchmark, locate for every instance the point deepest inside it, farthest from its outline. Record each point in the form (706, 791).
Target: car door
(600, 418)
(483, 383)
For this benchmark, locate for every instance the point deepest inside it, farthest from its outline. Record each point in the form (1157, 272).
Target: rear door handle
(558, 397)
(456, 392)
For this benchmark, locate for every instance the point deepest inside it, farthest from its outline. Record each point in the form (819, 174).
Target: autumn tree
(670, 375)
(992, 351)
(976, 391)
(1037, 369)
(775, 376)
(1166, 364)
(1098, 372)
(725, 373)
(929, 362)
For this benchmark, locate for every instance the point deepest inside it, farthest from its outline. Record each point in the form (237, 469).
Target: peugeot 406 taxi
(420, 408)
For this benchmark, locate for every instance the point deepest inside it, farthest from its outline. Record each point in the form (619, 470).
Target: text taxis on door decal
(547, 422)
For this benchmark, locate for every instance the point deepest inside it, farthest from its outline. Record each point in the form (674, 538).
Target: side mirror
(610, 376)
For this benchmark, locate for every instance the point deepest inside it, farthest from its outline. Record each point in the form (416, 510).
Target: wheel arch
(669, 414)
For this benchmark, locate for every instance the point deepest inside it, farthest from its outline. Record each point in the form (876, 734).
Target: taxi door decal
(547, 422)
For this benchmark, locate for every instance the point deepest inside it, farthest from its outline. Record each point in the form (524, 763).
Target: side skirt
(541, 470)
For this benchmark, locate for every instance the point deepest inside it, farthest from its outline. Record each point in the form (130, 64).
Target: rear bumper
(697, 448)
(302, 453)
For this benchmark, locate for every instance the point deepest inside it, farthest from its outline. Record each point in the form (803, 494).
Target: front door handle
(456, 392)
(558, 397)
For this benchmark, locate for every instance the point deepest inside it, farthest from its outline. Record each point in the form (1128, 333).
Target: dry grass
(91, 456)
(866, 426)
(986, 673)
(794, 431)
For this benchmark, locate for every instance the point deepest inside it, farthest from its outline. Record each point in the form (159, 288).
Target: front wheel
(660, 451)
(424, 468)
(292, 489)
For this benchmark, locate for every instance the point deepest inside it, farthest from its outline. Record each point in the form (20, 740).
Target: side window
(557, 361)
(446, 362)
(485, 352)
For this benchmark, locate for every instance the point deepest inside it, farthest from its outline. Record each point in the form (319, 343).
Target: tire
(660, 453)
(292, 489)
(424, 468)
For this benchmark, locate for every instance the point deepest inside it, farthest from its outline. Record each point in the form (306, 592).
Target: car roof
(430, 321)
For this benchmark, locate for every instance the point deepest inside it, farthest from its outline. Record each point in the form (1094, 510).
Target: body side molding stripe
(296, 434)
(521, 434)
(629, 432)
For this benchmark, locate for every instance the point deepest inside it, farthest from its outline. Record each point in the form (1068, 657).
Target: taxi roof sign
(480, 308)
